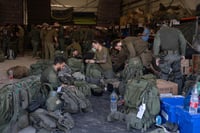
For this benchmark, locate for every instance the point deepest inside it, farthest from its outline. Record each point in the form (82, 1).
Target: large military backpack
(14, 100)
(93, 74)
(76, 65)
(140, 93)
(133, 69)
(74, 100)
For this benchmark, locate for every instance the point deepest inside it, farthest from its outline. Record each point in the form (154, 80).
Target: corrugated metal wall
(108, 12)
(39, 11)
(11, 11)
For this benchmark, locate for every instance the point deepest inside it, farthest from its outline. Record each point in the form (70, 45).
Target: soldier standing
(20, 34)
(43, 33)
(169, 49)
(51, 42)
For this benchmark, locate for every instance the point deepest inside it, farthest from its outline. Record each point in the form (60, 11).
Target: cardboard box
(167, 87)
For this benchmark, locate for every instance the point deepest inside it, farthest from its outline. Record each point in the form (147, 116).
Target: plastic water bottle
(194, 101)
(113, 102)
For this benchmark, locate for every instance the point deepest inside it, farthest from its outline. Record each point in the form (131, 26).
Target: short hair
(115, 42)
(98, 40)
(59, 59)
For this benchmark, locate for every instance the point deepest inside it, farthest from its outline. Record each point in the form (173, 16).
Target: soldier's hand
(86, 61)
(157, 61)
(92, 61)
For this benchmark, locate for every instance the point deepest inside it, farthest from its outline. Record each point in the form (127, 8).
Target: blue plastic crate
(168, 108)
(187, 122)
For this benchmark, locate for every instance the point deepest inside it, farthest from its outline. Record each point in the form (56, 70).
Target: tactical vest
(169, 39)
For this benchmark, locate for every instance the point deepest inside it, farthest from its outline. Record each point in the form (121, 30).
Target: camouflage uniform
(169, 46)
(50, 76)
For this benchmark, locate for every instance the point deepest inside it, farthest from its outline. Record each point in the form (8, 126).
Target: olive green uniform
(61, 38)
(106, 67)
(119, 58)
(35, 40)
(43, 33)
(135, 46)
(72, 47)
(21, 40)
(50, 76)
(49, 43)
(169, 46)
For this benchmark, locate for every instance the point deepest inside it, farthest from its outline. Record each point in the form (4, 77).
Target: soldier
(102, 58)
(169, 49)
(20, 35)
(43, 33)
(72, 47)
(61, 38)
(119, 55)
(135, 45)
(35, 39)
(50, 75)
(51, 42)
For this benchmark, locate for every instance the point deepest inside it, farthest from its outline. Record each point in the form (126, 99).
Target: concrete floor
(91, 122)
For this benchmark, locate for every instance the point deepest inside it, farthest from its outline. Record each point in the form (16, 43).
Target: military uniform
(169, 46)
(49, 43)
(107, 69)
(61, 38)
(119, 58)
(72, 47)
(50, 76)
(135, 46)
(35, 39)
(21, 40)
(43, 33)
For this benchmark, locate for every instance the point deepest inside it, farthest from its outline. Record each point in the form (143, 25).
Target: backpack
(140, 92)
(19, 71)
(74, 100)
(76, 65)
(93, 74)
(133, 69)
(44, 120)
(15, 99)
(84, 87)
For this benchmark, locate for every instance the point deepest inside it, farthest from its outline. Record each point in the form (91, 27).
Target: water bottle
(194, 101)
(113, 102)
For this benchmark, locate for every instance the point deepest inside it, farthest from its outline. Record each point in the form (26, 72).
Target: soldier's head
(59, 63)
(117, 44)
(97, 44)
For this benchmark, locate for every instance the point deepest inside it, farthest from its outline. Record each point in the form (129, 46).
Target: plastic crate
(168, 108)
(187, 122)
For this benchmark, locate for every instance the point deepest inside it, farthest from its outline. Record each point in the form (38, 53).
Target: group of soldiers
(168, 49)
(12, 37)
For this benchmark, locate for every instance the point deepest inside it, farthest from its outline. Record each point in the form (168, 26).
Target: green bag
(76, 65)
(83, 87)
(140, 92)
(133, 69)
(93, 74)
(74, 100)
(15, 98)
